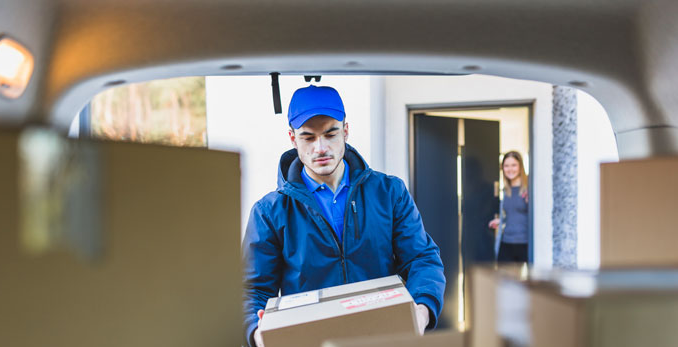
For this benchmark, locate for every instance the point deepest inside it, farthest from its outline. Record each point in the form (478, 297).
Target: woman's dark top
(515, 229)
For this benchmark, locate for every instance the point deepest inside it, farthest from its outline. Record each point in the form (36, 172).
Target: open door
(455, 186)
(435, 192)
(480, 189)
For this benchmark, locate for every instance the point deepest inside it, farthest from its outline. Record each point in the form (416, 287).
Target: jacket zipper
(355, 220)
(340, 247)
(343, 239)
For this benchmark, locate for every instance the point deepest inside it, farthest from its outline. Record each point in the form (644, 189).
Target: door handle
(496, 189)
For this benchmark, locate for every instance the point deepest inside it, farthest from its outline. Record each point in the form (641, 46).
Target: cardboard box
(167, 256)
(374, 307)
(482, 313)
(434, 339)
(638, 205)
(584, 309)
(484, 282)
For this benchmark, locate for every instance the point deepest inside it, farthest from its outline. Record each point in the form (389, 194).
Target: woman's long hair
(523, 176)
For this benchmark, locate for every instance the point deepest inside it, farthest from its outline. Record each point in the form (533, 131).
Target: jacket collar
(289, 169)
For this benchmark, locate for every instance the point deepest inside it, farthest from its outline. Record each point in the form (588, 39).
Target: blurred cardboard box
(588, 309)
(139, 248)
(638, 205)
(611, 308)
(434, 339)
(374, 307)
(484, 284)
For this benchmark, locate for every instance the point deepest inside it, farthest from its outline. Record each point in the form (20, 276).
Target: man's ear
(292, 137)
(345, 131)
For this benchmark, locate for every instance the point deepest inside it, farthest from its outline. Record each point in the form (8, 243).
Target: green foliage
(170, 112)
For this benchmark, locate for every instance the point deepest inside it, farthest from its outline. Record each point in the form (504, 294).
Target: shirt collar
(313, 186)
(345, 180)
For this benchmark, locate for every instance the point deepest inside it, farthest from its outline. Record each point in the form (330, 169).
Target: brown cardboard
(483, 311)
(636, 308)
(638, 206)
(624, 319)
(434, 339)
(170, 267)
(556, 321)
(9, 191)
(374, 307)
(483, 315)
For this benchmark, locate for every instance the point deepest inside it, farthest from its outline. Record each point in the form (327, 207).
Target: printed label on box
(300, 299)
(371, 299)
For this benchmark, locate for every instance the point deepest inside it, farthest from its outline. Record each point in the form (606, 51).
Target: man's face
(320, 143)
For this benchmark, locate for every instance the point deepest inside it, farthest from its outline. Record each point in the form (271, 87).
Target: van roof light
(16, 67)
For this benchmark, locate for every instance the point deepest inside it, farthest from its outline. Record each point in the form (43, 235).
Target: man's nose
(321, 145)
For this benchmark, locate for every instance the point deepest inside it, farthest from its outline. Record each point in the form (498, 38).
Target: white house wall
(596, 144)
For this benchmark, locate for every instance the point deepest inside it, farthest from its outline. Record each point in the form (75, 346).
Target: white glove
(258, 340)
(422, 318)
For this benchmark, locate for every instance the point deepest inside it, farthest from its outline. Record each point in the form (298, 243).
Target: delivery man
(334, 221)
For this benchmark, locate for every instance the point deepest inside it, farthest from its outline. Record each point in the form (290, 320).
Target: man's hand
(422, 317)
(258, 341)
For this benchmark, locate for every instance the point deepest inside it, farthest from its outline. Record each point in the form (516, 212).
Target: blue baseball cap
(314, 101)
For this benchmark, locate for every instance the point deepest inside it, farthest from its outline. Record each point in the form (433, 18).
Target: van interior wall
(240, 117)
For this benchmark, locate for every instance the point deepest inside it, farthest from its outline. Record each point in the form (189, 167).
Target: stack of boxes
(631, 301)
(574, 308)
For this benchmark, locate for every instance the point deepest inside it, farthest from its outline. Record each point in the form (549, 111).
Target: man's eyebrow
(306, 133)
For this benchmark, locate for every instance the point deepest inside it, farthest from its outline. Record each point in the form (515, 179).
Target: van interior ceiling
(614, 50)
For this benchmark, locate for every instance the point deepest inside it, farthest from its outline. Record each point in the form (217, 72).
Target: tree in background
(170, 112)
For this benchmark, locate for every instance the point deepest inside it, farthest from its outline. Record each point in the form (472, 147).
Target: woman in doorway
(512, 234)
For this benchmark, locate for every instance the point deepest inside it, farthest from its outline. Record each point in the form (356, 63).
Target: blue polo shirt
(333, 204)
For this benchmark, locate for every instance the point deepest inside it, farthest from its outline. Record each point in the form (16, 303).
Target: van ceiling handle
(277, 107)
(309, 78)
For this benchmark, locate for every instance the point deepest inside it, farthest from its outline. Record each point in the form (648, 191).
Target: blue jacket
(290, 246)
